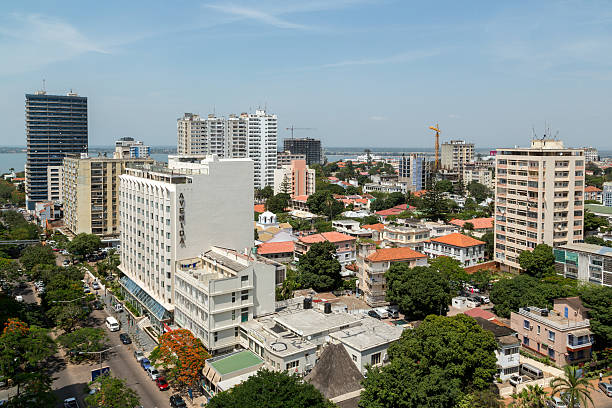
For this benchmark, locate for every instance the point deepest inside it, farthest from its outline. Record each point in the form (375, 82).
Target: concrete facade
(465, 249)
(539, 198)
(54, 183)
(295, 179)
(454, 155)
(585, 262)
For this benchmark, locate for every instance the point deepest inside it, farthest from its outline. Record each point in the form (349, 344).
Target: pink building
(563, 334)
(296, 179)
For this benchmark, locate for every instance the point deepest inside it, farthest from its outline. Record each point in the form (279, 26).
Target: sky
(367, 73)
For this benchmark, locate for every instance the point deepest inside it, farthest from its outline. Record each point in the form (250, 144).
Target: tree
(285, 186)
(451, 271)
(182, 355)
(266, 192)
(271, 389)
(539, 262)
(480, 192)
(84, 244)
(36, 255)
(533, 396)
(112, 392)
(323, 202)
(323, 226)
(369, 220)
(575, 389)
(489, 238)
(481, 399)
(599, 300)
(86, 339)
(443, 186)
(595, 240)
(592, 222)
(481, 279)
(433, 365)
(278, 203)
(319, 269)
(22, 349)
(468, 226)
(418, 291)
(435, 206)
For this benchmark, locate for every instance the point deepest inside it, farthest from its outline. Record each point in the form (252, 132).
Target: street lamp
(68, 301)
(99, 352)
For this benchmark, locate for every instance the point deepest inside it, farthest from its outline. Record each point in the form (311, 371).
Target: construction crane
(297, 128)
(437, 130)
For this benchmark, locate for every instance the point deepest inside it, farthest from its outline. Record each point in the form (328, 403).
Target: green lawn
(235, 362)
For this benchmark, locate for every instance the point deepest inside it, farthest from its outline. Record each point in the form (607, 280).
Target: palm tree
(573, 388)
(530, 397)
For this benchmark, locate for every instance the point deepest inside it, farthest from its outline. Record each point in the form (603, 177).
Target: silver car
(606, 388)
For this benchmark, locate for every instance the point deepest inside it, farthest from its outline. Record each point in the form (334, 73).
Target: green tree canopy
(592, 222)
(435, 205)
(433, 365)
(480, 192)
(489, 238)
(451, 270)
(112, 392)
(271, 389)
(575, 388)
(36, 255)
(324, 203)
(86, 339)
(278, 203)
(84, 244)
(599, 300)
(319, 269)
(539, 262)
(418, 291)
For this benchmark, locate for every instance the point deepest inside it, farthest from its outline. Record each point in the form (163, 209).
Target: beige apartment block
(539, 198)
(478, 174)
(456, 154)
(90, 188)
(54, 183)
(296, 179)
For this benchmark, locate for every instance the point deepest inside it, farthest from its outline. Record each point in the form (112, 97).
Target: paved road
(71, 379)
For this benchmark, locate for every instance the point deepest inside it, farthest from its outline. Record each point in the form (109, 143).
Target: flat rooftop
(277, 339)
(590, 248)
(235, 362)
(371, 333)
(310, 322)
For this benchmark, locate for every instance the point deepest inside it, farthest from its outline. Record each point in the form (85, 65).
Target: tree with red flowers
(182, 355)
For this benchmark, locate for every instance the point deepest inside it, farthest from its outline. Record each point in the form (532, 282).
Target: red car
(162, 384)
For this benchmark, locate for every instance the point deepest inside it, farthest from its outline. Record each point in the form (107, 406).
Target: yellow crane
(437, 130)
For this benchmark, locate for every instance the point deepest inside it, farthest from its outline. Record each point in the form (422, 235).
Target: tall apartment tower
(539, 198)
(56, 126)
(310, 147)
(127, 147)
(295, 179)
(455, 154)
(414, 170)
(201, 136)
(176, 211)
(262, 139)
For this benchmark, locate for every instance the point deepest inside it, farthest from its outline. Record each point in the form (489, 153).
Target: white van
(112, 324)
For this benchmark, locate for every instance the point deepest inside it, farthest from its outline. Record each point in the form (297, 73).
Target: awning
(583, 332)
(143, 297)
(145, 322)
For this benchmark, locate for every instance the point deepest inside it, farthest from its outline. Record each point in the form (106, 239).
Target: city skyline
(488, 73)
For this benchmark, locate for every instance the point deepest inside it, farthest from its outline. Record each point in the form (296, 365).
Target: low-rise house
(299, 202)
(411, 237)
(507, 353)
(386, 187)
(397, 210)
(228, 370)
(593, 193)
(480, 225)
(465, 249)
(585, 262)
(352, 228)
(436, 229)
(345, 245)
(562, 334)
(278, 251)
(219, 289)
(377, 230)
(374, 263)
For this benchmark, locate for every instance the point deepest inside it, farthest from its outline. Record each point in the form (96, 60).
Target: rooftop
(275, 247)
(497, 330)
(310, 322)
(599, 209)
(378, 227)
(589, 248)
(371, 333)
(553, 319)
(394, 254)
(478, 223)
(259, 208)
(326, 236)
(479, 313)
(234, 362)
(275, 338)
(592, 189)
(458, 240)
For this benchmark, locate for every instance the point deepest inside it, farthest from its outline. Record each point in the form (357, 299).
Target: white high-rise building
(248, 135)
(175, 211)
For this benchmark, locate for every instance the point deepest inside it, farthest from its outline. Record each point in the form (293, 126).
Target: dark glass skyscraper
(56, 126)
(310, 147)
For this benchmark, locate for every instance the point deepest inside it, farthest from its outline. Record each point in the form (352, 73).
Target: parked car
(484, 299)
(19, 298)
(555, 402)
(161, 383)
(176, 401)
(518, 379)
(118, 308)
(71, 403)
(138, 355)
(606, 388)
(153, 373)
(98, 305)
(64, 252)
(372, 313)
(86, 290)
(95, 286)
(66, 262)
(144, 363)
(125, 339)
(393, 312)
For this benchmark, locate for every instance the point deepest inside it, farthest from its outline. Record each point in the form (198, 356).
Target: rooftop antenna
(43, 88)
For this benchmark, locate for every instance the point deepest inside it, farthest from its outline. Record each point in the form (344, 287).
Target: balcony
(579, 345)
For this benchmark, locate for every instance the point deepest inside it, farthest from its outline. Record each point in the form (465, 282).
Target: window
(235, 331)
(233, 315)
(538, 329)
(526, 341)
(244, 314)
(233, 297)
(376, 359)
(551, 335)
(526, 324)
(565, 312)
(216, 337)
(551, 353)
(511, 370)
(244, 278)
(354, 357)
(244, 295)
(293, 364)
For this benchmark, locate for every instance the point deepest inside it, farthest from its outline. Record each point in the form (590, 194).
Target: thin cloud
(257, 15)
(393, 59)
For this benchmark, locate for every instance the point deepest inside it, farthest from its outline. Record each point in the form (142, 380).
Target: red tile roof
(591, 189)
(477, 312)
(478, 223)
(332, 178)
(394, 254)
(275, 247)
(419, 193)
(326, 236)
(378, 227)
(259, 208)
(458, 240)
(300, 198)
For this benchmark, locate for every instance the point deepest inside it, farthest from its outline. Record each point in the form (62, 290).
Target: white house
(467, 250)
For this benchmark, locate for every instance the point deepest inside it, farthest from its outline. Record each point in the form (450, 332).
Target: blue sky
(372, 73)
